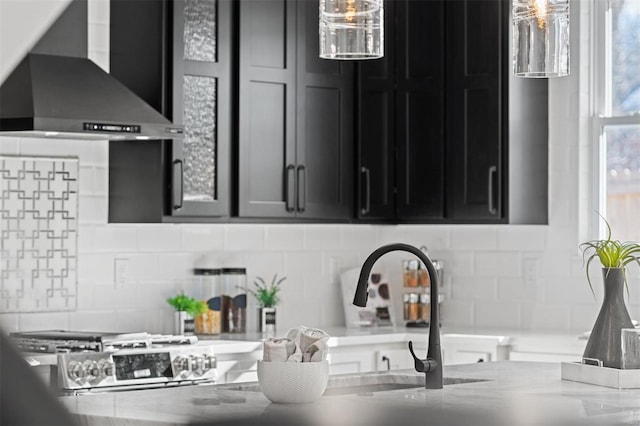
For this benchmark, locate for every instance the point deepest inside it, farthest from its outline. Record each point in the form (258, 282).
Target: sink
(368, 383)
(389, 383)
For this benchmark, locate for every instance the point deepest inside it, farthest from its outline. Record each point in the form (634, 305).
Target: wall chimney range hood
(57, 92)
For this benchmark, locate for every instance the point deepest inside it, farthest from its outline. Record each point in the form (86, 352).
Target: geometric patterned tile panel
(39, 234)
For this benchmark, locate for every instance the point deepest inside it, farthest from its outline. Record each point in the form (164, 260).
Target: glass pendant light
(351, 29)
(540, 38)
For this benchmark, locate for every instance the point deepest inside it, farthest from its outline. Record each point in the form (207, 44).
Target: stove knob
(197, 362)
(91, 369)
(75, 371)
(105, 368)
(182, 365)
(209, 362)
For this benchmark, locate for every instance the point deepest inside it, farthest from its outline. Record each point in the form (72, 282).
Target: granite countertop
(506, 393)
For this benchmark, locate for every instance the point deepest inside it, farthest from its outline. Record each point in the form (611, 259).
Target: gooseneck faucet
(432, 366)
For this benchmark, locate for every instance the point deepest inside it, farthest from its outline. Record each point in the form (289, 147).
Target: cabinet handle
(290, 189)
(493, 170)
(177, 200)
(367, 190)
(302, 188)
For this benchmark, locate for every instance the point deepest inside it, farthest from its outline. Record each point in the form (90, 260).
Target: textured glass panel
(200, 138)
(200, 30)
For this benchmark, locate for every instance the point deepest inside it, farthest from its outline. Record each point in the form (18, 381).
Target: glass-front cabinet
(202, 104)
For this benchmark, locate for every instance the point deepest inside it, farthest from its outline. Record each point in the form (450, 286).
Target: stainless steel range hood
(56, 91)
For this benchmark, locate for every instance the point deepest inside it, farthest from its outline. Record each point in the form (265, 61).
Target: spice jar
(410, 272)
(413, 307)
(405, 306)
(425, 307)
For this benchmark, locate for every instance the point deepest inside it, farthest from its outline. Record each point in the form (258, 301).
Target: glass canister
(234, 300)
(210, 321)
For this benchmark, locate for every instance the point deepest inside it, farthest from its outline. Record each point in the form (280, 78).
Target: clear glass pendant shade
(540, 38)
(351, 29)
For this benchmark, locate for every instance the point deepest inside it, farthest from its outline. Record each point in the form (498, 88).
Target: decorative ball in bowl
(293, 382)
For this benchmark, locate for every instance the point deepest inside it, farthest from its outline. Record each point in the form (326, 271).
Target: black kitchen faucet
(432, 366)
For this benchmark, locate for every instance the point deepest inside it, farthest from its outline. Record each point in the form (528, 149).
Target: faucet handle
(421, 365)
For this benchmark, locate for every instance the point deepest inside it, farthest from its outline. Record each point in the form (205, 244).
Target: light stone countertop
(510, 393)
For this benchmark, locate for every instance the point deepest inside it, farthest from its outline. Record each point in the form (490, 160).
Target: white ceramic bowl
(293, 382)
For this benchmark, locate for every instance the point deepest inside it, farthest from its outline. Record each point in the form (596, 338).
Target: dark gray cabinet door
(267, 109)
(202, 104)
(295, 117)
(475, 44)
(324, 125)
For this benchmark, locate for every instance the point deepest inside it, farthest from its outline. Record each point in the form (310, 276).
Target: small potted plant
(268, 297)
(186, 308)
(603, 347)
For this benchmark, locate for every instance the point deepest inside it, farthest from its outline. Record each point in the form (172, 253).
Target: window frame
(601, 108)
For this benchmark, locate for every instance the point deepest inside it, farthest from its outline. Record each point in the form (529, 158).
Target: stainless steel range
(138, 368)
(98, 362)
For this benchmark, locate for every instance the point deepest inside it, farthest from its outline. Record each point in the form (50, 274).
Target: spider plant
(611, 253)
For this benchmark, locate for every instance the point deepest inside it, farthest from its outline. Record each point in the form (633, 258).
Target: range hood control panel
(114, 128)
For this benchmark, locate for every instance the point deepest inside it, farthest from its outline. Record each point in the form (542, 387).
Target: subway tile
(515, 290)
(541, 317)
(265, 264)
(359, 237)
(92, 209)
(9, 145)
(434, 237)
(522, 238)
(582, 318)
(142, 267)
(318, 237)
(116, 238)
(457, 313)
(98, 36)
(159, 238)
(474, 288)
(86, 238)
(92, 320)
(85, 180)
(10, 323)
(135, 320)
(569, 291)
(555, 263)
(173, 266)
(100, 181)
(466, 238)
(95, 152)
(96, 267)
(497, 264)
(284, 237)
(35, 321)
(45, 147)
(203, 237)
(85, 295)
(300, 265)
(245, 237)
(497, 315)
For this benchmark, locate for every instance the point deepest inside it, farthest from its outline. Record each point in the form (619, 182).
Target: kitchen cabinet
(186, 77)
(446, 134)
(295, 117)
(548, 348)
(401, 118)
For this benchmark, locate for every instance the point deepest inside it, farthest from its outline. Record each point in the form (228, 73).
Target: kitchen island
(496, 393)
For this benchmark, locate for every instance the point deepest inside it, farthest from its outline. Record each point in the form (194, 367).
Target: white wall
(485, 285)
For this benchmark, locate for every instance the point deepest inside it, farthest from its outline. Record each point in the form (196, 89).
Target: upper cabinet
(177, 56)
(295, 117)
(202, 104)
(446, 134)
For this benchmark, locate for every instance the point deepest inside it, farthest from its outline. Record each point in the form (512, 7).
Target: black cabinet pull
(177, 200)
(290, 189)
(367, 190)
(493, 170)
(302, 188)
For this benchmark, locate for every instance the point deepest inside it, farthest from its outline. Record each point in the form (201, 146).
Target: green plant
(611, 253)
(267, 294)
(193, 307)
(180, 302)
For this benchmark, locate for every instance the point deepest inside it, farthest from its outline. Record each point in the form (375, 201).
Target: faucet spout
(432, 366)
